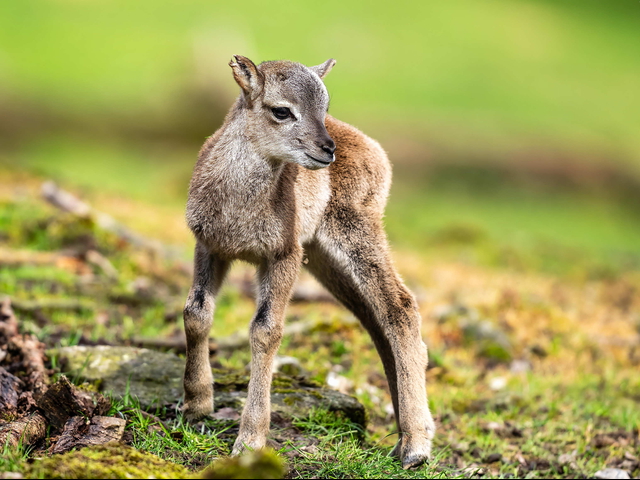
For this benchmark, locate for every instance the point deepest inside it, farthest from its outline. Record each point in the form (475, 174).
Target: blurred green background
(510, 123)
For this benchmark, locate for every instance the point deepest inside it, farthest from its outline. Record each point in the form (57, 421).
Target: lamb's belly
(245, 240)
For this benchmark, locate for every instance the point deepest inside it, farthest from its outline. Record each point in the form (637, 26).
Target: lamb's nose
(329, 147)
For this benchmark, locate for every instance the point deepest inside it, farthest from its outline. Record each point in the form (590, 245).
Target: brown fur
(260, 193)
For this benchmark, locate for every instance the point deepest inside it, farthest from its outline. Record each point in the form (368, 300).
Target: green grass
(540, 418)
(176, 441)
(341, 453)
(12, 460)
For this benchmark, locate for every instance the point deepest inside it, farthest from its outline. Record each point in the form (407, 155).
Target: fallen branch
(63, 401)
(81, 432)
(238, 339)
(69, 260)
(69, 203)
(24, 431)
(16, 258)
(8, 322)
(21, 353)
(305, 291)
(241, 340)
(31, 351)
(9, 392)
(68, 304)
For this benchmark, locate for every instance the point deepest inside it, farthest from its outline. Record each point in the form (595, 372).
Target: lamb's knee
(405, 327)
(266, 338)
(197, 313)
(265, 331)
(404, 314)
(407, 302)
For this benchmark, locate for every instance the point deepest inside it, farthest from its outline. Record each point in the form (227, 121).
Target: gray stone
(614, 473)
(287, 365)
(155, 378)
(489, 341)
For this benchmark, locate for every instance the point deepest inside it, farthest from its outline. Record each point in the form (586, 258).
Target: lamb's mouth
(319, 161)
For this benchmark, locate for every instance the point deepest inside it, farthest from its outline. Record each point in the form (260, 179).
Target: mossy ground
(558, 398)
(106, 461)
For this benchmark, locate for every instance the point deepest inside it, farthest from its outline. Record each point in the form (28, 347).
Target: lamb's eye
(281, 113)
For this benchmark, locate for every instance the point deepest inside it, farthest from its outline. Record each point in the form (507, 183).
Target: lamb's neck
(243, 168)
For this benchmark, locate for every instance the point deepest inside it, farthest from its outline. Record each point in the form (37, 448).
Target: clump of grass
(174, 440)
(343, 451)
(13, 459)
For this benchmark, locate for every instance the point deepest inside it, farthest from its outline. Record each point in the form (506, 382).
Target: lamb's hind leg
(276, 279)
(343, 288)
(360, 259)
(208, 274)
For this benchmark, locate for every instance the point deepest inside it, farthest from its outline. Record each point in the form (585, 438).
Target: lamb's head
(285, 105)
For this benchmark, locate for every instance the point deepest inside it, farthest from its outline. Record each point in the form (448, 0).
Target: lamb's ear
(324, 68)
(247, 76)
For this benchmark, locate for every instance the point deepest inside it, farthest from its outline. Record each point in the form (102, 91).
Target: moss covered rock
(112, 460)
(155, 378)
(291, 396)
(488, 340)
(263, 463)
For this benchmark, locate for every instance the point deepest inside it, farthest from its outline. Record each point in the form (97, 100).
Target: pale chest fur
(253, 211)
(313, 191)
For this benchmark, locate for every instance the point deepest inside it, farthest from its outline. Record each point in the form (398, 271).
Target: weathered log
(241, 339)
(9, 392)
(8, 322)
(31, 352)
(238, 339)
(80, 432)
(26, 403)
(24, 431)
(305, 291)
(68, 202)
(63, 401)
(68, 304)
(177, 343)
(10, 257)
(23, 353)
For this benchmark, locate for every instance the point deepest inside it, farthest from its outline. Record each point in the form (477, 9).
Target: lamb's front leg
(277, 278)
(208, 274)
